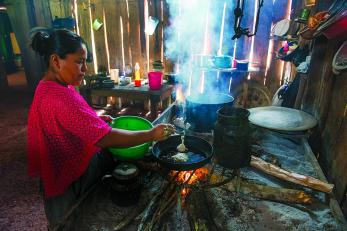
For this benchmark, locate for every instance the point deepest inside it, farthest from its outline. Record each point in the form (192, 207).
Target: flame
(187, 178)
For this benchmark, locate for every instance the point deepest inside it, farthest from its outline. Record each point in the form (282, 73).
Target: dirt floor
(21, 206)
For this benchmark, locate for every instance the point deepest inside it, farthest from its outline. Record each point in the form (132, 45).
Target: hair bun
(40, 42)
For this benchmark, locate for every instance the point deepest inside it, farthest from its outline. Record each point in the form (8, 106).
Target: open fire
(190, 178)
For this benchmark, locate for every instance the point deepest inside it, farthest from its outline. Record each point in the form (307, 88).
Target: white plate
(281, 28)
(281, 118)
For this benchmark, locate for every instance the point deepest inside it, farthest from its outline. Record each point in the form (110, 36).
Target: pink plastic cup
(155, 80)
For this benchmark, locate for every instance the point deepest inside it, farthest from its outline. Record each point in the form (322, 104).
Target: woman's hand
(106, 118)
(162, 131)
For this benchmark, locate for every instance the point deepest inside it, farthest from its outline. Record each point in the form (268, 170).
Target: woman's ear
(55, 62)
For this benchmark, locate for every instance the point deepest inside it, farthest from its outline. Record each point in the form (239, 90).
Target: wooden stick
(296, 178)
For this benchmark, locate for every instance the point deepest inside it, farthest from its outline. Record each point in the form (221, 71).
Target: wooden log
(198, 211)
(270, 193)
(296, 178)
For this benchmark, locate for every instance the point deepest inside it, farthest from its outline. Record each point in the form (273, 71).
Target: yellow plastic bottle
(137, 75)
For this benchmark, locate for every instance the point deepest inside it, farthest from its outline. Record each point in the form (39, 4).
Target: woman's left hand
(106, 118)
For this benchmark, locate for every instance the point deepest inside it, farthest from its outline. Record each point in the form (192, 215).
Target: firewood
(270, 193)
(296, 178)
(199, 215)
(151, 208)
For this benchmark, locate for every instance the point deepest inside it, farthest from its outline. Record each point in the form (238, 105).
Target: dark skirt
(57, 207)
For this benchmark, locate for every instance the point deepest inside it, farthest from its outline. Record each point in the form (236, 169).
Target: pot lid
(125, 171)
(281, 118)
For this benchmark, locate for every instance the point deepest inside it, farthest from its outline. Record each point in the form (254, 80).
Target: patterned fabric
(62, 133)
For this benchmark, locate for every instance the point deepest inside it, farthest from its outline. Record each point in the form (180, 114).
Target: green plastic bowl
(132, 123)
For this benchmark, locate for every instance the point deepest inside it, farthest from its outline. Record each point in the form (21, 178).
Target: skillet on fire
(199, 153)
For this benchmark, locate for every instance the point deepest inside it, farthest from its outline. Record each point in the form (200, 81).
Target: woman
(65, 136)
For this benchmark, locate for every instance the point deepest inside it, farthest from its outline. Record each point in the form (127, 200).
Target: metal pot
(125, 184)
(201, 110)
(231, 140)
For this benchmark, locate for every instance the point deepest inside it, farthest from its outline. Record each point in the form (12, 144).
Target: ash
(217, 208)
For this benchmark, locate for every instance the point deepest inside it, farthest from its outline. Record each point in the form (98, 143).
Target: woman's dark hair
(61, 42)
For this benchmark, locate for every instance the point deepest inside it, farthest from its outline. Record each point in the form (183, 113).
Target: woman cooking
(65, 135)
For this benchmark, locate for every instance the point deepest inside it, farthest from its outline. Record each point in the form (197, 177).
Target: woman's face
(73, 68)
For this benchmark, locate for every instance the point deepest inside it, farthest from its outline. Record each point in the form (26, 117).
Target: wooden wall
(121, 40)
(132, 44)
(326, 98)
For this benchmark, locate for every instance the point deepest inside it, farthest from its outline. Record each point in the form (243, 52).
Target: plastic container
(132, 123)
(155, 80)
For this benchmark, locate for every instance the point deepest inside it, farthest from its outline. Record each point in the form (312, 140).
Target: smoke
(195, 29)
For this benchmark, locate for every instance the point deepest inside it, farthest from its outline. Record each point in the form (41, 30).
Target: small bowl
(132, 123)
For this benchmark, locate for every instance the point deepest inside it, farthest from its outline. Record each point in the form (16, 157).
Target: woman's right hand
(162, 131)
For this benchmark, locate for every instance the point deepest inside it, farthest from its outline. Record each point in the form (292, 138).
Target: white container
(114, 73)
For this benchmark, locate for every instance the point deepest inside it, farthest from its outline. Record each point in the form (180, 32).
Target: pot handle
(105, 179)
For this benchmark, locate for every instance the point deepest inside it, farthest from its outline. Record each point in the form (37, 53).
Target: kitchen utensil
(201, 110)
(199, 152)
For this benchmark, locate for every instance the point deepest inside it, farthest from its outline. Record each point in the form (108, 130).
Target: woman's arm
(123, 138)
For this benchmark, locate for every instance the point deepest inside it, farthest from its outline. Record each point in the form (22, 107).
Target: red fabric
(62, 133)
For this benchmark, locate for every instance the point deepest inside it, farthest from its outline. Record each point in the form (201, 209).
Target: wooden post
(3, 77)
(23, 17)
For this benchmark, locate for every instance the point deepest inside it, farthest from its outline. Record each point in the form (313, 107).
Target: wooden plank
(112, 12)
(126, 37)
(134, 33)
(334, 133)
(3, 76)
(99, 38)
(60, 8)
(84, 28)
(168, 64)
(142, 27)
(332, 200)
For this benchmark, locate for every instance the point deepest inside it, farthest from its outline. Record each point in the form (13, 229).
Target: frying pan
(199, 152)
